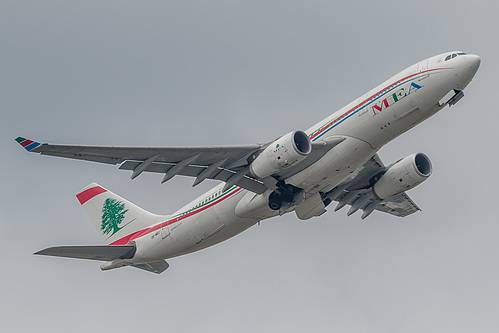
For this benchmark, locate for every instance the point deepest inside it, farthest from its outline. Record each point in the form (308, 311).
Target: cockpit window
(452, 56)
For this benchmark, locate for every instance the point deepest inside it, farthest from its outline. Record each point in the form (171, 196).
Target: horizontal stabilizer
(155, 266)
(98, 252)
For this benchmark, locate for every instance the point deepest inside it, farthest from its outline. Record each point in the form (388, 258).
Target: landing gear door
(423, 70)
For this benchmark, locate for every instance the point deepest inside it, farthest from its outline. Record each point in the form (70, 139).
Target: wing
(356, 192)
(221, 162)
(226, 163)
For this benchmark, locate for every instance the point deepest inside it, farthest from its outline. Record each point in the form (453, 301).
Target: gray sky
(230, 72)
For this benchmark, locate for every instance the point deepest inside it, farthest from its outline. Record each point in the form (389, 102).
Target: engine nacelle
(403, 175)
(283, 153)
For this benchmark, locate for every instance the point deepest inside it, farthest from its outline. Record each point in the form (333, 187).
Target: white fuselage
(367, 123)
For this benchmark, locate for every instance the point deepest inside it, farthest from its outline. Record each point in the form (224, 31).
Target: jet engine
(404, 175)
(281, 154)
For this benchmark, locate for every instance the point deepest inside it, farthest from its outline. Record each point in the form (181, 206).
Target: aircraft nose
(474, 62)
(467, 69)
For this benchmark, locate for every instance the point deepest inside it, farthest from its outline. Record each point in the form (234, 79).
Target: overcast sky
(177, 73)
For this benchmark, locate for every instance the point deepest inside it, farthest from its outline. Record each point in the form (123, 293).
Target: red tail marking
(89, 194)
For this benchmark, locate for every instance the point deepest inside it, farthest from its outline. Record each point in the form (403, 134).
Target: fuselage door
(362, 105)
(165, 231)
(423, 70)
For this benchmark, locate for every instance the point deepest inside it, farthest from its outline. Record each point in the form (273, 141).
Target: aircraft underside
(335, 160)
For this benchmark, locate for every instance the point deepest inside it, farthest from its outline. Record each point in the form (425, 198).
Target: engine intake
(281, 154)
(404, 175)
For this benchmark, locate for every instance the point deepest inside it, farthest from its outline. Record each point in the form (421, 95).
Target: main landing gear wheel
(285, 193)
(275, 201)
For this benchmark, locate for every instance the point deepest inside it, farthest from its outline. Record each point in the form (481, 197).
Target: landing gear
(275, 201)
(284, 194)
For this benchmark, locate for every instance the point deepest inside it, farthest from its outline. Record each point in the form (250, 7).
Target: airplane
(301, 171)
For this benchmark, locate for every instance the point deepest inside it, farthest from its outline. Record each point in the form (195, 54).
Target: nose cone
(466, 69)
(474, 62)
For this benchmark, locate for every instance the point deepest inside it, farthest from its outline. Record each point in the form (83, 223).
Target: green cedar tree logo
(113, 213)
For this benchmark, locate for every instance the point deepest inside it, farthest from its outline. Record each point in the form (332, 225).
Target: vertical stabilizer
(114, 217)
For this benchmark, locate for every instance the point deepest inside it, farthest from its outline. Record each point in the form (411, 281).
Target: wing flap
(248, 183)
(94, 252)
(356, 192)
(399, 205)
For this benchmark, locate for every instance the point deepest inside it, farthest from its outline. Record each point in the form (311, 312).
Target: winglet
(29, 145)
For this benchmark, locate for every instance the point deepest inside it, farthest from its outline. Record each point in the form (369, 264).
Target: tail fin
(114, 217)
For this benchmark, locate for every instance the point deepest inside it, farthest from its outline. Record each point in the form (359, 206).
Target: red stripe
(26, 143)
(315, 134)
(89, 194)
(140, 233)
(125, 240)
